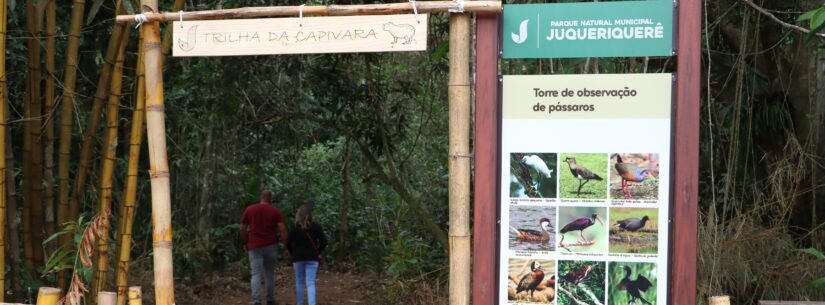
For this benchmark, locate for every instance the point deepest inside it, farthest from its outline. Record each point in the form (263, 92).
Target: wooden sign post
(303, 35)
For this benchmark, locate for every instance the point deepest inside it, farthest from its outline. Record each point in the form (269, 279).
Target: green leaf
(807, 15)
(813, 252)
(819, 283)
(93, 11)
(818, 20)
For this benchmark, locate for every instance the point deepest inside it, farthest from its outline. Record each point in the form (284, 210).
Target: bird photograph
(632, 283)
(634, 230)
(532, 228)
(583, 176)
(533, 175)
(531, 281)
(634, 176)
(582, 229)
(581, 282)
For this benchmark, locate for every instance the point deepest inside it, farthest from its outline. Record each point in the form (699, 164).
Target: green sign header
(588, 29)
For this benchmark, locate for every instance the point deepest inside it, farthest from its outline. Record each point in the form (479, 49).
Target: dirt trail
(333, 288)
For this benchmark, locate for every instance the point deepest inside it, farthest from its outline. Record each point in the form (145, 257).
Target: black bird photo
(634, 230)
(632, 283)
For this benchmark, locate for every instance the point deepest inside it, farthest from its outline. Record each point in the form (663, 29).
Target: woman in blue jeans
(305, 243)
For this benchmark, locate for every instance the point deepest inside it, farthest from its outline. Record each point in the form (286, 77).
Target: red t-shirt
(263, 220)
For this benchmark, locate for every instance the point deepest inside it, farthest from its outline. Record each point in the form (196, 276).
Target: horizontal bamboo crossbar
(318, 10)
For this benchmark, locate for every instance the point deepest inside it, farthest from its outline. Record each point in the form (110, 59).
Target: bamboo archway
(459, 96)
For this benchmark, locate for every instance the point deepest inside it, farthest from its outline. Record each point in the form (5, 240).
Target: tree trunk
(48, 160)
(101, 96)
(127, 210)
(107, 168)
(158, 163)
(66, 109)
(343, 227)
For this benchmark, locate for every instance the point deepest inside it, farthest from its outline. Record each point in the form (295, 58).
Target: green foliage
(820, 282)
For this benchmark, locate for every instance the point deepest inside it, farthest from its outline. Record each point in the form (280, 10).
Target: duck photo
(532, 228)
(531, 281)
(634, 176)
(533, 175)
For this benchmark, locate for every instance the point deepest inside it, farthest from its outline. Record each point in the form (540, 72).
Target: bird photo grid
(584, 194)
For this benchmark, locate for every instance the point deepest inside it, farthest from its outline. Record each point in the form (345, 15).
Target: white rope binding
(460, 7)
(140, 19)
(301, 15)
(180, 14)
(415, 11)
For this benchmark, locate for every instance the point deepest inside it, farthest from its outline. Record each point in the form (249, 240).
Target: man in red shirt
(261, 224)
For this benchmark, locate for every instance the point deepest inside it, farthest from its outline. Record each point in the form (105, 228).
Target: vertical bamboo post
(3, 151)
(101, 97)
(158, 163)
(127, 211)
(135, 296)
(107, 166)
(48, 161)
(459, 162)
(66, 109)
(48, 296)
(36, 173)
(106, 298)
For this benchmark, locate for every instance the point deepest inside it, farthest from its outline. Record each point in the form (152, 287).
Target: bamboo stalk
(719, 300)
(49, 94)
(3, 150)
(107, 167)
(48, 296)
(135, 296)
(320, 10)
(158, 163)
(101, 97)
(66, 109)
(31, 144)
(127, 210)
(106, 298)
(36, 144)
(459, 161)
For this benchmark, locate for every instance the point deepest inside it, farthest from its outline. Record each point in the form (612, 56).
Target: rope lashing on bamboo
(460, 7)
(415, 11)
(140, 19)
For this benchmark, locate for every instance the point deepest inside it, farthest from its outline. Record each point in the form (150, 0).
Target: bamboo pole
(319, 10)
(719, 300)
(107, 167)
(30, 133)
(106, 298)
(135, 296)
(49, 94)
(48, 296)
(101, 97)
(3, 147)
(66, 109)
(127, 210)
(459, 161)
(36, 173)
(158, 163)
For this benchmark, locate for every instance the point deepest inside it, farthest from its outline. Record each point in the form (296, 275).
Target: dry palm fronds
(84, 253)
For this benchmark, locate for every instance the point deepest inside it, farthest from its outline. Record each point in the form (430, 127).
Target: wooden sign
(347, 34)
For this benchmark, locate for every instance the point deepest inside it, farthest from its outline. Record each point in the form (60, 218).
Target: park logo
(521, 37)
